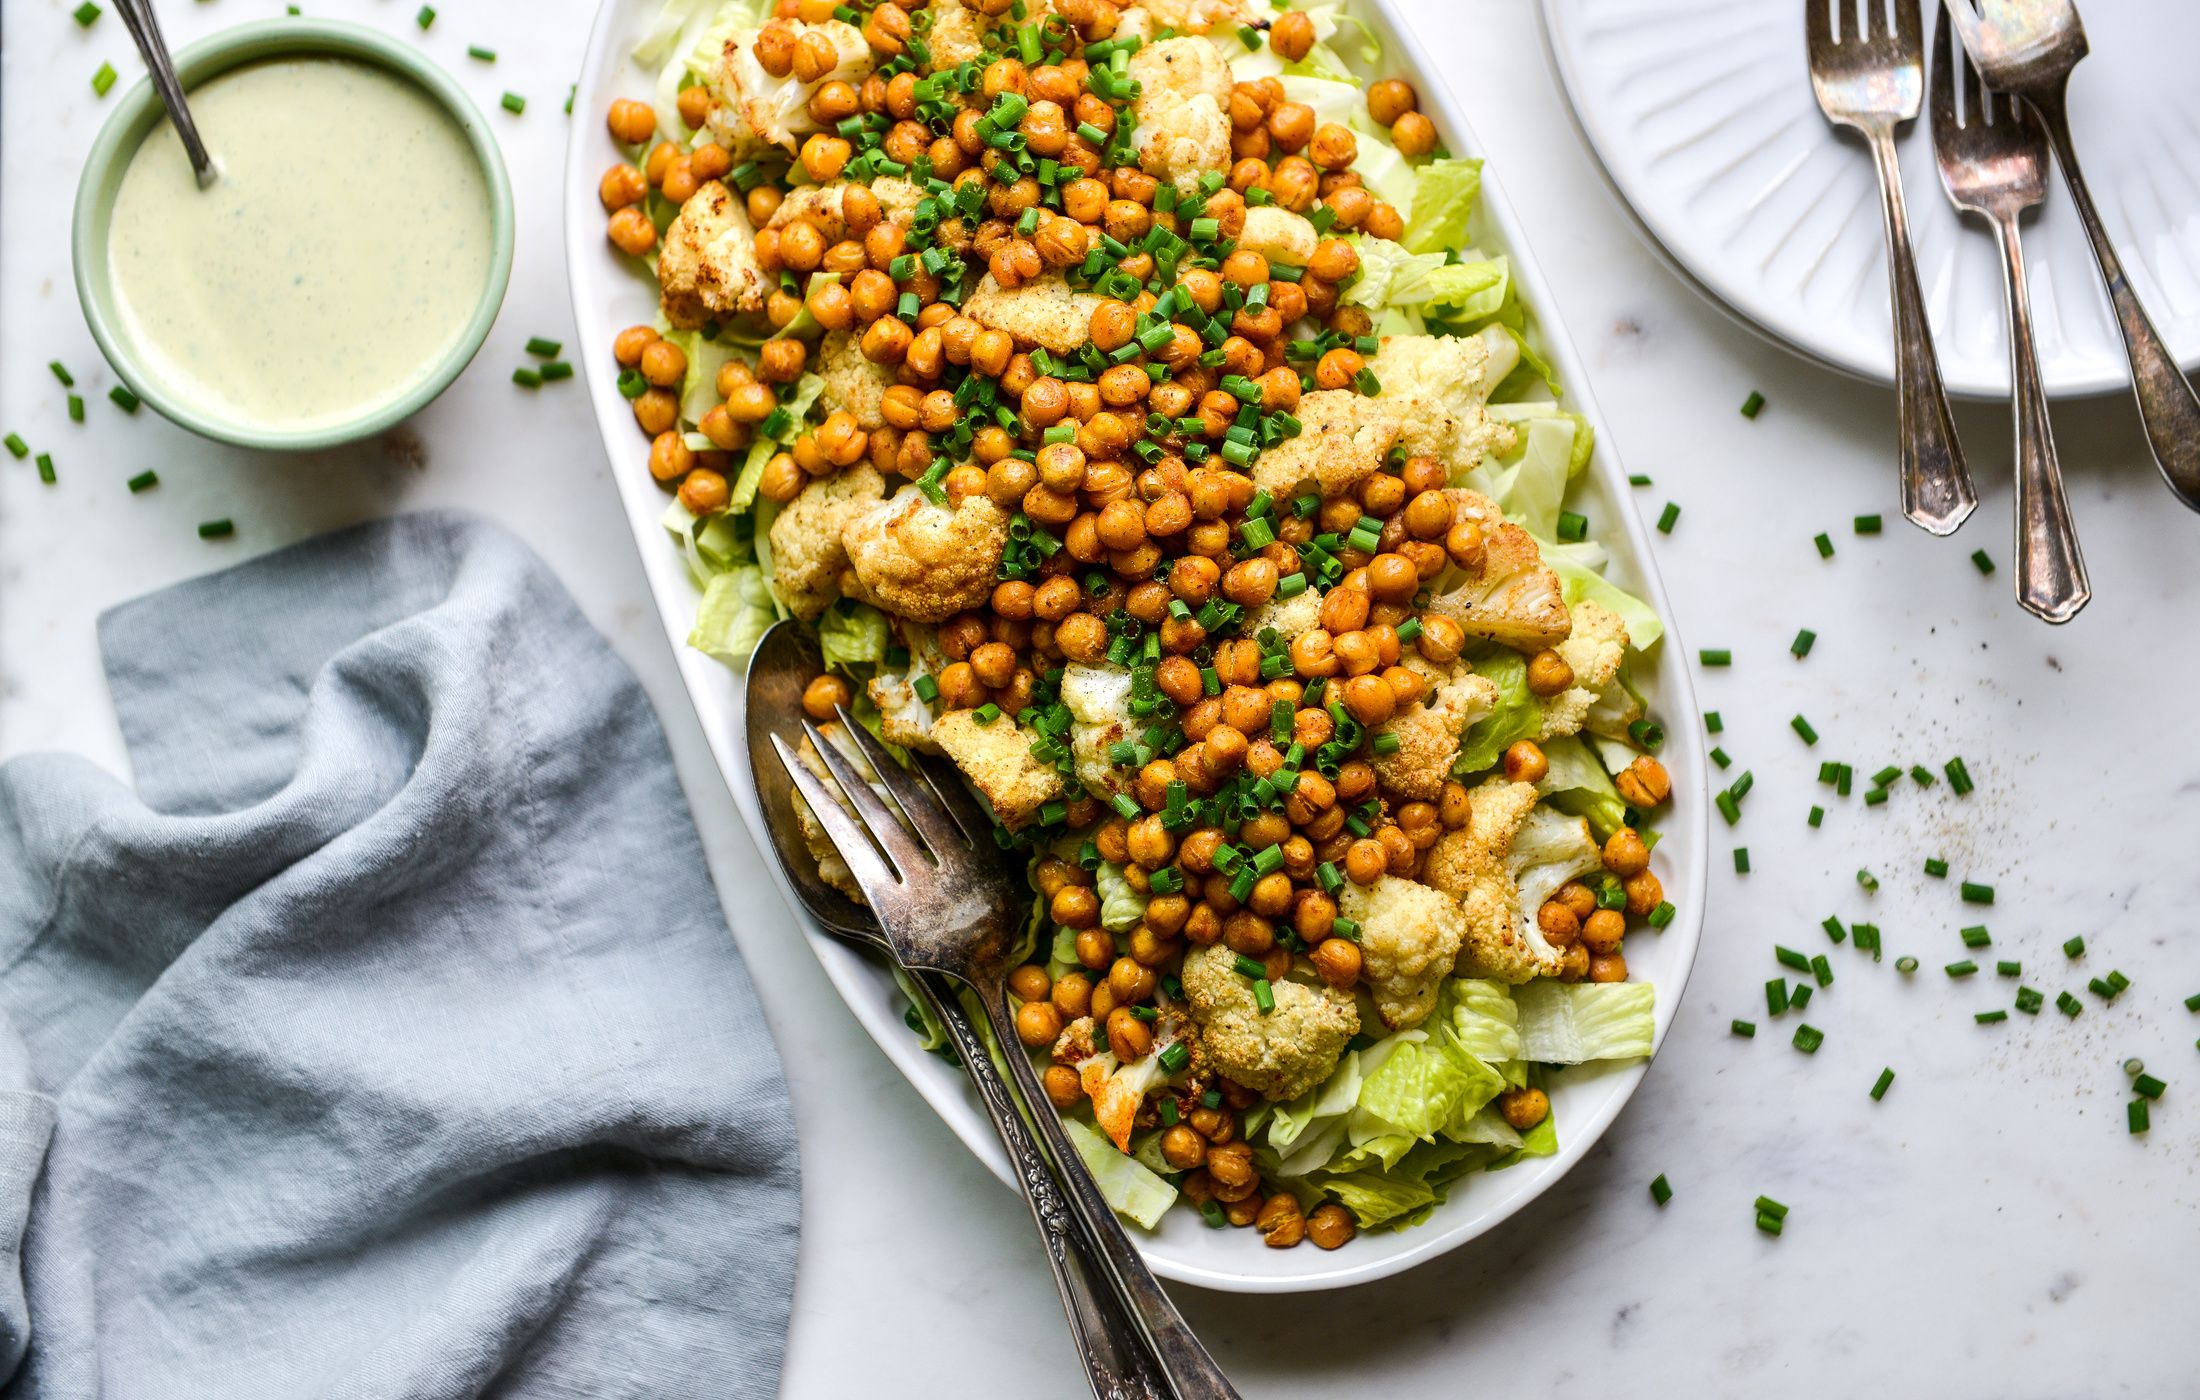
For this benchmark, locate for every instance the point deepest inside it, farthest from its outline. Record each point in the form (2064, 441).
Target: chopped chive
(103, 81)
(1825, 545)
(2008, 967)
(17, 448)
(2146, 1086)
(1719, 756)
(1822, 970)
(1886, 775)
(1753, 405)
(1788, 957)
(1264, 996)
(1988, 1018)
(1808, 1038)
(1662, 915)
(2029, 1000)
(426, 16)
(1974, 893)
(1637, 479)
(86, 13)
(1667, 517)
(555, 370)
(45, 468)
(1879, 1090)
(61, 372)
(527, 378)
(543, 348)
(1867, 524)
(1770, 1224)
(142, 480)
(1983, 561)
(1715, 656)
(1802, 727)
(1572, 528)
(2068, 1004)
(2075, 947)
(1959, 777)
(477, 51)
(1776, 996)
(1728, 807)
(1712, 724)
(512, 102)
(2136, 1116)
(2192, 1003)
(572, 90)
(1817, 816)
(1741, 860)
(1832, 926)
(1876, 797)
(1961, 969)
(1905, 964)
(1869, 881)
(1745, 1029)
(1801, 646)
(1976, 936)
(2117, 981)
(121, 397)
(1936, 867)
(216, 529)
(1799, 996)
(1660, 1191)
(76, 408)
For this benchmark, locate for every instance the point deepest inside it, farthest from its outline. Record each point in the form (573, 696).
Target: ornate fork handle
(2051, 580)
(2167, 404)
(1936, 485)
(1117, 1364)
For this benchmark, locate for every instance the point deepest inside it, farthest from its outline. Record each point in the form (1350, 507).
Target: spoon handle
(2167, 404)
(145, 29)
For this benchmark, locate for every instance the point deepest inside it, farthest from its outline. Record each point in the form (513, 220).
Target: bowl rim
(136, 114)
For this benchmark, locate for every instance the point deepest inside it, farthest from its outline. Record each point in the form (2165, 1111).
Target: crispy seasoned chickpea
(1131, 981)
(1313, 654)
(1072, 995)
(1413, 134)
(621, 185)
(631, 232)
(657, 410)
(1073, 906)
(1182, 1147)
(1292, 36)
(1644, 783)
(1095, 949)
(1577, 897)
(1333, 147)
(1391, 99)
(628, 345)
(1392, 578)
(1128, 1037)
(1644, 893)
(1548, 673)
(1330, 1226)
(709, 162)
(1231, 1166)
(1625, 854)
(1280, 1222)
(724, 434)
(1524, 1107)
(658, 161)
(751, 402)
(1250, 582)
(632, 122)
(1560, 927)
(1384, 221)
(1370, 700)
(704, 490)
(1290, 126)
(1339, 368)
(680, 182)
(1607, 967)
(1603, 930)
(663, 363)
(1337, 960)
(783, 478)
(1525, 763)
(1064, 1089)
(1029, 982)
(1038, 1024)
(1365, 861)
(1245, 1210)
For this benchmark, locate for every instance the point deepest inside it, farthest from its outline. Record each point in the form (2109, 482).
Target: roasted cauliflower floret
(1595, 649)
(830, 867)
(1281, 1053)
(957, 35)
(1409, 937)
(1289, 617)
(1099, 700)
(806, 538)
(822, 205)
(1190, 16)
(1279, 236)
(1502, 866)
(1460, 370)
(1429, 731)
(1513, 597)
(997, 760)
(904, 718)
(1182, 129)
(924, 561)
(707, 267)
(1043, 311)
(752, 110)
(852, 382)
(1343, 439)
(1118, 1089)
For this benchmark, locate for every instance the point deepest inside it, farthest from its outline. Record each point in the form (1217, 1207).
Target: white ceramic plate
(1702, 115)
(609, 292)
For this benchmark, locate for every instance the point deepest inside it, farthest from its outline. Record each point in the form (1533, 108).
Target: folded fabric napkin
(390, 1038)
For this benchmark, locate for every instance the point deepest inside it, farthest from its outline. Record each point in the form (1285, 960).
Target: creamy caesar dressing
(332, 266)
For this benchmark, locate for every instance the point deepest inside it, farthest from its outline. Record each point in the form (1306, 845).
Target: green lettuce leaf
(1569, 1023)
(1135, 1193)
(711, 544)
(1577, 784)
(735, 611)
(1444, 192)
(1422, 1086)
(850, 634)
(1483, 1018)
(1579, 579)
(1516, 717)
(1307, 1132)
(1529, 482)
(1121, 907)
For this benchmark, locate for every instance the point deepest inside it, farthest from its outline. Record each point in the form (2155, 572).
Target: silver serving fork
(1993, 162)
(2027, 48)
(948, 904)
(1871, 77)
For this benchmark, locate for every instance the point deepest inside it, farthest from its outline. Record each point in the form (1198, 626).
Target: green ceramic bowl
(135, 115)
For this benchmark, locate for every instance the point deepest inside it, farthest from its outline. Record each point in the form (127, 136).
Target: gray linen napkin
(390, 1037)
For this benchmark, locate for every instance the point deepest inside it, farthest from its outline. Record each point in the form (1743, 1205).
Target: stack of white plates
(1702, 115)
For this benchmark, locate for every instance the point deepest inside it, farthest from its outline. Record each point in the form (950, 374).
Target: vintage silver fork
(949, 904)
(1993, 163)
(1871, 78)
(1118, 1363)
(2028, 47)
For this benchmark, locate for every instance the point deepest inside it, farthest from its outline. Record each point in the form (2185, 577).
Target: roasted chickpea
(1603, 930)
(631, 232)
(1131, 981)
(1073, 906)
(1029, 982)
(1607, 967)
(1038, 1024)
(1644, 783)
(1064, 1089)
(1095, 949)
(632, 122)
(1548, 673)
(1330, 1226)
(1280, 1222)
(1524, 1107)
(1383, 221)
(657, 410)
(663, 363)
(1128, 1037)
(1625, 854)
(1333, 147)
(1183, 1148)
(1291, 36)
(1560, 927)
(1337, 960)
(1072, 995)
(621, 185)
(1644, 893)
(1525, 763)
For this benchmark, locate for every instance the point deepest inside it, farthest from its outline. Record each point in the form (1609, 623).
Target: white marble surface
(1989, 1229)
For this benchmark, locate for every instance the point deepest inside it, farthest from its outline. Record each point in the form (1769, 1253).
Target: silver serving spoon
(138, 15)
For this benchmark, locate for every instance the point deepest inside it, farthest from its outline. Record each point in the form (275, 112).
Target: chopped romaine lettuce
(733, 615)
(1577, 568)
(1135, 1193)
(1121, 907)
(850, 634)
(1517, 715)
(1578, 784)
(1564, 1023)
(1444, 192)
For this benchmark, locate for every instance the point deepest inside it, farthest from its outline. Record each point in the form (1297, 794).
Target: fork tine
(1909, 25)
(885, 828)
(911, 794)
(873, 876)
(1943, 77)
(975, 821)
(1818, 21)
(1966, 21)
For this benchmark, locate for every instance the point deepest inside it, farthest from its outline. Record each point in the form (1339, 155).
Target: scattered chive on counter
(2067, 1004)
(1961, 969)
(2008, 967)
(1802, 728)
(1667, 518)
(1715, 656)
(17, 448)
(1712, 724)
(556, 370)
(1821, 969)
(1959, 777)
(1771, 1215)
(1803, 642)
(2075, 947)
(1905, 964)
(61, 372)
(76, 408)
(2030, 1000)
(1817, 816)
(1879, 1090)
(527, 378)
(1776, 996)
(1824, 542)
(512, 102)
(1975, 893)
(1976, 936)
(103, 81)
(86, 13)
(2135, 1116)
(142, 480)
(1799, 996)
(217, 529)
(1753, 405)
(1747, 1030)
(477, 51)
(426, 16)
(1637, 479)
(121, 397)
(1720, 757)
(1741, 860)
(1984, 562)
(1660, 1190)
(1867, 524)
(1832, 926)
(2146, 1086)
(1808, 1038)
(1936, 867)
(45, 468)
(544, 348)
(1988, 1018)
(1869, 881)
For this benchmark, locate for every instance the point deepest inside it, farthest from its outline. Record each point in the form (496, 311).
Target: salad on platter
(1120, 392)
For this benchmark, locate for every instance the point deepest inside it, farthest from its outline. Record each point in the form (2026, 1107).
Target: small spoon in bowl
(138, 15)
